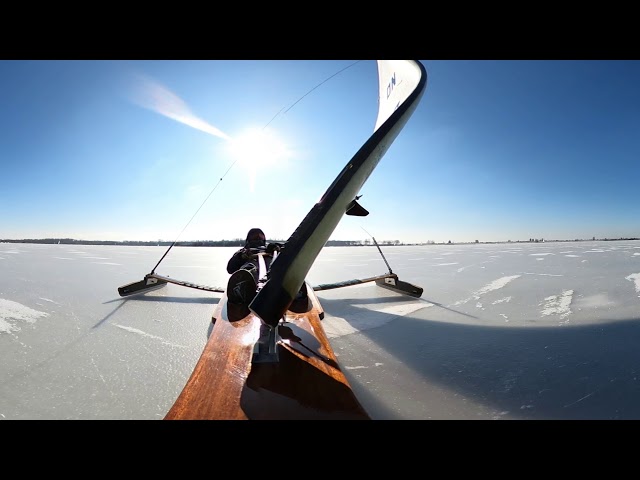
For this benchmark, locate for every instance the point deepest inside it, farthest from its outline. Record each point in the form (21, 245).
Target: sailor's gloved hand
(273, 247)
(246, 254)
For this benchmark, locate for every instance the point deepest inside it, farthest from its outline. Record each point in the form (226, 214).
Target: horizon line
(235, 242)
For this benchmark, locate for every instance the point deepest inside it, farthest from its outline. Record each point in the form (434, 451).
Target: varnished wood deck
(305, 383)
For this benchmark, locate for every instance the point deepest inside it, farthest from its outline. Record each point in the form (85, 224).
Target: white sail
(397, 79)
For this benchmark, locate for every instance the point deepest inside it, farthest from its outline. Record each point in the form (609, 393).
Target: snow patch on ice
(558, 304)
(12, 312)
(148, 335)
(47, 300)
(495, 285)
(635, 278)
(502, 300)
(544, 274)
(363, 320)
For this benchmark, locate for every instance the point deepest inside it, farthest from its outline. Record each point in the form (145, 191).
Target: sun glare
(256, 150)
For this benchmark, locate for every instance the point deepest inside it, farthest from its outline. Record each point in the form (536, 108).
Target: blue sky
(497, 150)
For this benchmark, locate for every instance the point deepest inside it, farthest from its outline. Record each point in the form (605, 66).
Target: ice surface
(497, 334)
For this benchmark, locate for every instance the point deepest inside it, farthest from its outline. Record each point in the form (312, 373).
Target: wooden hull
(305, 382)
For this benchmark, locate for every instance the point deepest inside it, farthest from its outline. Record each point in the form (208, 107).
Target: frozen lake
(502, 331)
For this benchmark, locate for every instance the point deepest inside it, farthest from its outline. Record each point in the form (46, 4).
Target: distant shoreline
(240, 242)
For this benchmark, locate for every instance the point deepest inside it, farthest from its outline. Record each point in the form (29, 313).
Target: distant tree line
(238, 242)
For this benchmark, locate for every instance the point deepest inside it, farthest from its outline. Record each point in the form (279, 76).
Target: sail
(401, 84)
(397, 79)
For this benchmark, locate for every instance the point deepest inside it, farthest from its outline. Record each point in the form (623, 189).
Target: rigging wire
(235, 161)
(194, 216)
(297, 101)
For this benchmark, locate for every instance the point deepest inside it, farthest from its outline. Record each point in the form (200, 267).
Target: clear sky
(497, 150)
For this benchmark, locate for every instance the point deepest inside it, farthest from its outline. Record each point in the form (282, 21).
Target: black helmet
(256, 238)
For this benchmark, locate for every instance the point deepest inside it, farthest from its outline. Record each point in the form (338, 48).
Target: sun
(257, 149)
